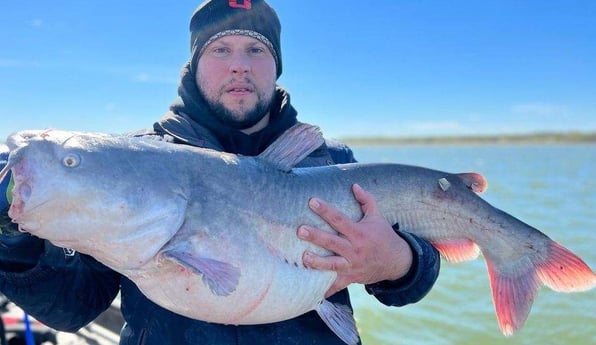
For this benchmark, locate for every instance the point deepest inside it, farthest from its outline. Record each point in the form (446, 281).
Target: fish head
(72, 186)
(50, 183)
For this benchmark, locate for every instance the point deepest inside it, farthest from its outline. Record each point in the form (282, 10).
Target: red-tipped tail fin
(514, 284)
(513, 291)
(563, 271)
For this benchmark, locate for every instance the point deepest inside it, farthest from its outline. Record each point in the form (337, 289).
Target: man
(228, 101)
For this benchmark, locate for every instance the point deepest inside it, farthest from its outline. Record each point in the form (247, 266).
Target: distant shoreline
(532, 138)
(574, 137)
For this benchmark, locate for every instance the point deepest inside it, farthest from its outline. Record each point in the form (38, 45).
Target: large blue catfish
(212, 235)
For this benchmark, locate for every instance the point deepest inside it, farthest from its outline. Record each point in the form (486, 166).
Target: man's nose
(240, 63)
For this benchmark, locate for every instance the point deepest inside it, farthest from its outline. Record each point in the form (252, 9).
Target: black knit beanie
(217, 18)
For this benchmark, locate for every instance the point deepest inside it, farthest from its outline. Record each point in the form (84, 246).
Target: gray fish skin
(212, 235)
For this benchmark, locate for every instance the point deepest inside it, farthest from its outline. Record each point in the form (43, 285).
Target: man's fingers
(367, 251)
(327, 263)
(366, 199)
(334, 217)
(329, 241)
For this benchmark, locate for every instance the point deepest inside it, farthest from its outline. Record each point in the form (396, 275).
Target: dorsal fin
(293, 146)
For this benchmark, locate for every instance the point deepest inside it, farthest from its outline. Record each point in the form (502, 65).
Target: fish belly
(265, 293)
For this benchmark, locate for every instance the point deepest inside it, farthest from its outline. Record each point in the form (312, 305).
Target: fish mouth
(22, 193)
(20, 209)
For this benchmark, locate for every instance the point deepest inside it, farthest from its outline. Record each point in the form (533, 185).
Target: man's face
(236, 75)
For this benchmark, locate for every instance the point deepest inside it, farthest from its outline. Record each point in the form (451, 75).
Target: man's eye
(220, 51)
(257, 51)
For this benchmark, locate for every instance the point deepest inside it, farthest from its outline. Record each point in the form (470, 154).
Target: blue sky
(356, 68)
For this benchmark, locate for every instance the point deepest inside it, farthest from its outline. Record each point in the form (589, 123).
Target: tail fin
(563, 271)
(513, 289)
(515, 285)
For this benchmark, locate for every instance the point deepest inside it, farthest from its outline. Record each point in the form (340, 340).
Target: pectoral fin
(222, 278)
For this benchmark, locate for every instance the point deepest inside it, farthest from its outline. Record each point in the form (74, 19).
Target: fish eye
(71, 160)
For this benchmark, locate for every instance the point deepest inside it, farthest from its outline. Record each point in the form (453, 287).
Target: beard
(249, 118)
(244, 117)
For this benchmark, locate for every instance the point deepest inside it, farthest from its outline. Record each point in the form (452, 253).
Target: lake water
(551, 187)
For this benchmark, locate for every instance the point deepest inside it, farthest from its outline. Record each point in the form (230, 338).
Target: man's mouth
(238, 88)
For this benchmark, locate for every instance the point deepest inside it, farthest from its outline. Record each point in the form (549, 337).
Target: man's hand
(366, 252)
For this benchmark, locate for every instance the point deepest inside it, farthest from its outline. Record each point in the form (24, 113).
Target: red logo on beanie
(240, 4)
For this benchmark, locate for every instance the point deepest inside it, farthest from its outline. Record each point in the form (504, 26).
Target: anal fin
(457, 250)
